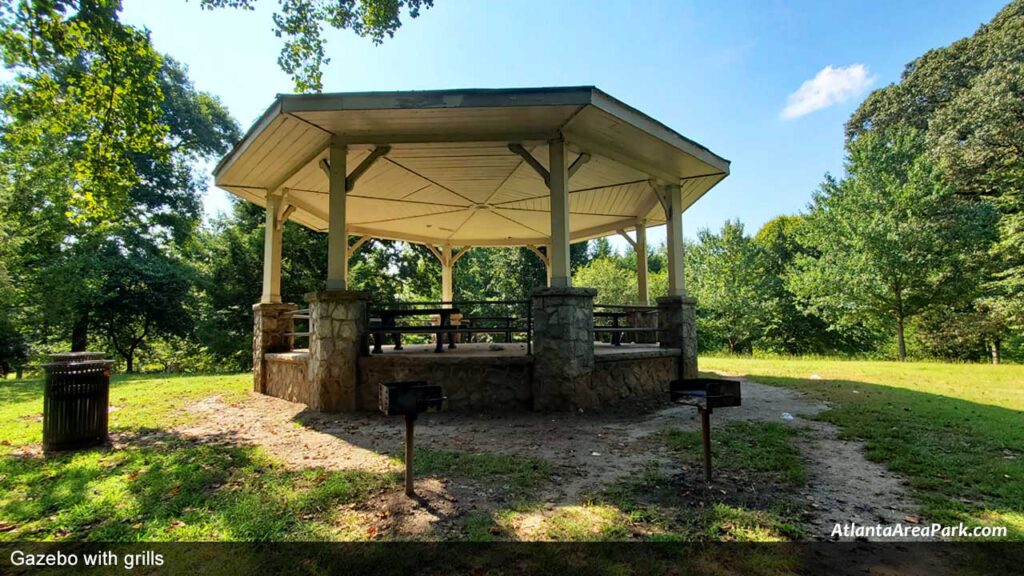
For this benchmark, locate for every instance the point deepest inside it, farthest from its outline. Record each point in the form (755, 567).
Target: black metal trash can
(75, 401)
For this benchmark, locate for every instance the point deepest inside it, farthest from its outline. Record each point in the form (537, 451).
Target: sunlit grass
(956, 431)
(136, 401)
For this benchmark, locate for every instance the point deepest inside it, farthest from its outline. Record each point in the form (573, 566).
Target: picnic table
(508, 322)
(615, 329)
(387, 325)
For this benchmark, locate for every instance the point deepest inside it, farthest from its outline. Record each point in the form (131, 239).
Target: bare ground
(588, 452)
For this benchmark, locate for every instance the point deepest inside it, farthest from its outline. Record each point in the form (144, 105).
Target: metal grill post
(705, 429)
(410, 425)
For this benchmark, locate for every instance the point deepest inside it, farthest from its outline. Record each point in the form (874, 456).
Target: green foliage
(968, 100)
(728, 275)
(891, 239)
(788, 329)
(302, 22)
(86, 90)
(127, 255)
(615, 283)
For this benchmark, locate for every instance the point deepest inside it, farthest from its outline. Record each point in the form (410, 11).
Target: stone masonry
(677, 327)
(271, 324)
(338, 323)
(563, 348)
(471, 383)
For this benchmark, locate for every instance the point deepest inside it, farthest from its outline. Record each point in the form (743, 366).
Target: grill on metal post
(75, 401)
(706, 394)
(409, 399)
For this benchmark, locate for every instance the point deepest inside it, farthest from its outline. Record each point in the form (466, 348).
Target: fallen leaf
(912, 519)
(177, 524)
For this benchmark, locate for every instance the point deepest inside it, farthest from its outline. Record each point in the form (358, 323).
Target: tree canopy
(891, 239)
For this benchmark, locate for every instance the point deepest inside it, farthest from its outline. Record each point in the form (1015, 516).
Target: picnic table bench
(386, 324)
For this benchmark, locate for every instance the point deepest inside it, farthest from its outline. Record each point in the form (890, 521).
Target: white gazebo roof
(449, 170)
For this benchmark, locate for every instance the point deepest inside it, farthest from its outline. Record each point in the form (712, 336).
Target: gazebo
(452, 170)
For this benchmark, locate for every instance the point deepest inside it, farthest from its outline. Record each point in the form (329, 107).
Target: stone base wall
(484, 384)
(637, 378)
(480, 384)
(288, 378)
(271, 324)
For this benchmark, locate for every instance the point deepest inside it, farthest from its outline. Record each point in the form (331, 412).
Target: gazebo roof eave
(292, 104)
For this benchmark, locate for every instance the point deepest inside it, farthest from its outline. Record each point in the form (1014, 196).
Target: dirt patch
(588, 452)
(844, 487)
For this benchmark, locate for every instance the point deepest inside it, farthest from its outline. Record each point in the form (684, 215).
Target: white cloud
(830, 86)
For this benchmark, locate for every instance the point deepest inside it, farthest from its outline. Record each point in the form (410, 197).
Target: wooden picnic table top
(416, 312)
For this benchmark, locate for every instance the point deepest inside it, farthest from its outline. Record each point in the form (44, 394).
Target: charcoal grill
(409, 399)
(706, 394)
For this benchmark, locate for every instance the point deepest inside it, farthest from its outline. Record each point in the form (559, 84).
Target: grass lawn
(164, 488)
(955, 430)
(167, 489)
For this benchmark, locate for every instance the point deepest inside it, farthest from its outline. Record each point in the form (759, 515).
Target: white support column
(641, 261)
(674, 234)
(559, 189)
(337, 237)
(272, 252)
(447, 275)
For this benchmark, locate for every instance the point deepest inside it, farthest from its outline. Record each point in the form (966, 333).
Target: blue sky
(766, 84)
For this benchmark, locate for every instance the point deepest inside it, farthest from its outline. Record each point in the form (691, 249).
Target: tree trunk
(80, 334)
(19, 372)
(129, 360)
(899, 339)
(995, 346)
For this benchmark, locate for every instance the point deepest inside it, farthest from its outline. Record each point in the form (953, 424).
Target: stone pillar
(677, 328)
(338, 323)
(563, 348)
(271, 324)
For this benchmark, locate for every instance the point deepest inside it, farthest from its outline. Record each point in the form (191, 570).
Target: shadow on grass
(163, 487)
(964, 460)
(17, 391)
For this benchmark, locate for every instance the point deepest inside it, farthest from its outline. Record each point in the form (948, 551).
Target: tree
(85, 87)
(728, 275)
(301, 23)
(615, 283)
(978, 140)
(40, 187)
(968, 99)
(143, 294)
(891, 239)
